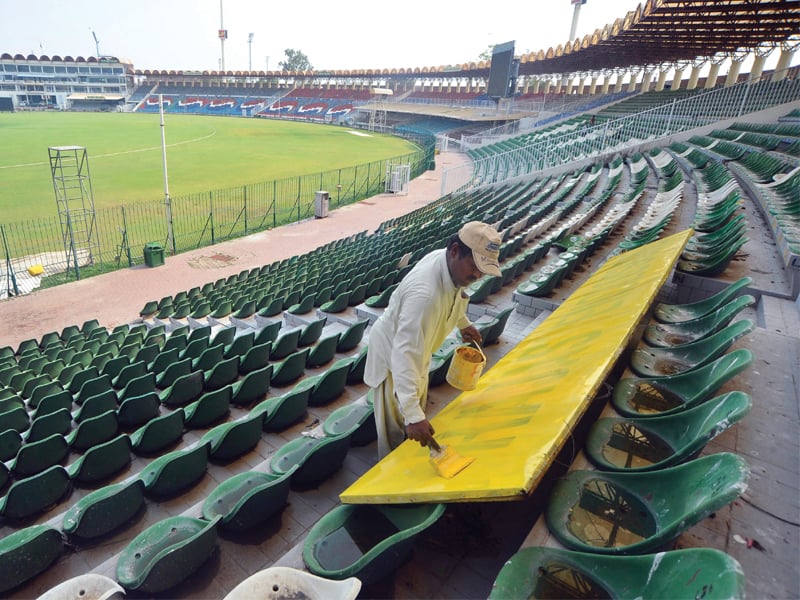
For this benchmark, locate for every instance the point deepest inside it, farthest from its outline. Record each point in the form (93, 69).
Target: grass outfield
(203, 153)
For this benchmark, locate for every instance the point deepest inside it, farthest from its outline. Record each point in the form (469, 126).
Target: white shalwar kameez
(422, 312)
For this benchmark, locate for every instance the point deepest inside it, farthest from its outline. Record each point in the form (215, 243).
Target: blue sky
(359, 34)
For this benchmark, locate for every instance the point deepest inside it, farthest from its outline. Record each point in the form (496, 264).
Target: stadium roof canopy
(666, 31)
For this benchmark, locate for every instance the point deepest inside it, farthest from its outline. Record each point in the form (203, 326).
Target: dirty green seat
(685, 574)
(230, 440)
(311, 332)
(257, 357)
(210, 408)
(10, 443)
(290, 369)
(331, 384)
(337, 304)
(285, 344)
(646, 361)
(315, 459)
(225, 372)
(102, 461)
(35, 457)
(633, 513)
(381, 300)
(352, 336)
(673, 334)
(105, 510)
(166, 553)
(267, 333)
(59, 422)
(32, 495)
(96, 405)
(93, 431)
(356, 418)
(247, 500)
(366, 541)
(179, 368)
(253, 386)
(53, 402)
(323, 351)
(304, 306)
(26, 553)
(287, 581)
(172, 473)
(676, 313)
(642, 396)
(240, 345)
(138, 410)
(158, 433)
(356, 374)
(282, 411)
(496, 326)
(15, 418)
(87, 586)
(187, 388)
(651, 443)
(223, 336)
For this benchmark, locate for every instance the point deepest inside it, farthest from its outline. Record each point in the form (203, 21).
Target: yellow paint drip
(524, 408)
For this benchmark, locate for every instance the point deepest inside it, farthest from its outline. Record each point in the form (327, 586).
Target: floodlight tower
(223, 34)
(575, 14)
(96, 43)
(250, 51)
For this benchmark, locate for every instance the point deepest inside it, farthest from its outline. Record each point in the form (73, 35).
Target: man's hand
(421, 432)
(471, 334)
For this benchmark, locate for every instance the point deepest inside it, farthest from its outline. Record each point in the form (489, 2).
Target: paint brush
(446, 461)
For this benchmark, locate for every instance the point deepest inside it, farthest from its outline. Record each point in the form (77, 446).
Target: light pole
(222, 35)
(250, 51)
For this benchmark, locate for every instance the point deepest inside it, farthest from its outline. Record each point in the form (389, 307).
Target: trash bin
(321, 204)
(153, 254)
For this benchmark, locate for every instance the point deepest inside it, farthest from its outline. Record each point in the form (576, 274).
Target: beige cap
(484, 241)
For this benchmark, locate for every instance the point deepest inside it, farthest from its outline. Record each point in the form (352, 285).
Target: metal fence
(197, 220)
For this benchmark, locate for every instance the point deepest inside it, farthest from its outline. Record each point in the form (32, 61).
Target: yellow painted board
(524, 408)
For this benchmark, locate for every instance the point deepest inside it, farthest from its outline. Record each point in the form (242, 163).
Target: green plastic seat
(138, 386)
(35, 457)
(94, 431)
(286, 581)
(225, 372)
(676, 313)
(255, 358)
(323, 351)
(356, 374)
(267, 333)
(651, 443)
(223, 335)
(166, 553)
(158, 433)
(199, 333)
(337, 304)
(633, 513)
(88, 585)
(26, 553)
(209, 358)
(93, 387)
(240, 345)
(642, 396)
(194, 348)
(304, 306)
(210, 408)
(311, 332)
(186, 388)
(282, 411)
(126, 374)
(247, 500)
(57, 422)
(175, 341)
(114, 366)
(42, 391)
(678, 574)
(270, 306)
(352, 336)
(172, 473)
(290, 369)
(315, 459)
(356, 418)
(674, 334)
(53, 402)
(481, 289)
(34, 383)
(34, 494)
(95, 406)
(285, 344)
(10, 443)
(381, 300)
(654, 362)
(177, 369)
(102, 461)
(230, 440)
(15, 418)
(138, 410)
(366, 541)
(496, 327)
(331, 384)
(105, 510)
(252, 387)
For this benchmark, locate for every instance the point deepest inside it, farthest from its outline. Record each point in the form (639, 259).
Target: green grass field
(203, 153)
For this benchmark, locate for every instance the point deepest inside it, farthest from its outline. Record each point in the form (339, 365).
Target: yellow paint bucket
(466, 367)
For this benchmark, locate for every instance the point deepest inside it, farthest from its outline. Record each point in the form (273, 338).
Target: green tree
(486, 54)
(295, 61)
